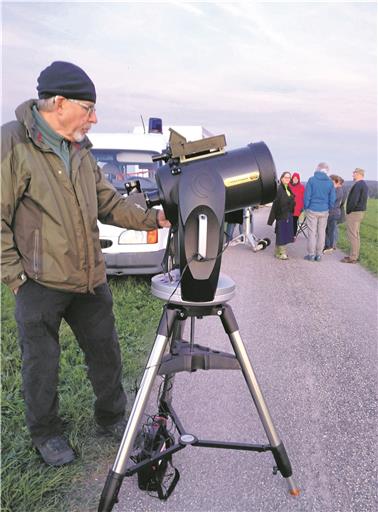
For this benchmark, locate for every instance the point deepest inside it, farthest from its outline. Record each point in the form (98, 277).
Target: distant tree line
(372, 185)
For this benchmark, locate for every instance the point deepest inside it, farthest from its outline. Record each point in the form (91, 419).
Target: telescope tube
(248, 174)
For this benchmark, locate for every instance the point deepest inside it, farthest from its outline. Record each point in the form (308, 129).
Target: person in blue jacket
(319, 198)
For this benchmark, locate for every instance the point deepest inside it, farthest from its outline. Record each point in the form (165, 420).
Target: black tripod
(187, 356)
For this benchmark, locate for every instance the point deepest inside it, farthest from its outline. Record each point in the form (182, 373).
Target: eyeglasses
(91, 109)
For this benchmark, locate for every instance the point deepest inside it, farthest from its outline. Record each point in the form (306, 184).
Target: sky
(300, 76)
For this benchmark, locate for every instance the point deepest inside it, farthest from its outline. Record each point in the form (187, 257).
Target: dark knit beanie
(65, 79)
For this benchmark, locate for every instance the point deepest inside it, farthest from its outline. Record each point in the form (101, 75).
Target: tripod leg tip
(293, 489)
(109, 496)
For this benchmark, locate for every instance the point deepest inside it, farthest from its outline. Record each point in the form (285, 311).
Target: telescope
(196, 185)
(200, 182)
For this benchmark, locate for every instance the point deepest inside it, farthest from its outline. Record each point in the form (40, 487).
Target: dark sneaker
(317, 258)
(56, 451)
(115, 430)
(309, 257)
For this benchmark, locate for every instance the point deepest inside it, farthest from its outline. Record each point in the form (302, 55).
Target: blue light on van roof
(155, 125)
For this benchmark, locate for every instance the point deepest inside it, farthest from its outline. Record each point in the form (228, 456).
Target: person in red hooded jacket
(298, 190)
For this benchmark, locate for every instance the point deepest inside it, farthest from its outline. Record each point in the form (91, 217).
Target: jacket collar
(320, 175)
(25, 116)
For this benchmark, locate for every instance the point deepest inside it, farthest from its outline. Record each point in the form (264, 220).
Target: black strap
(168, 250)
(164, 496)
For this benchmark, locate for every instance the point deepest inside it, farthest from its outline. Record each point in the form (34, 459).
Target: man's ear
(59, 102)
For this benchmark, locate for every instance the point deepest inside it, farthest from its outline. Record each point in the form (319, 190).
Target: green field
(369, 237)
(27, 484)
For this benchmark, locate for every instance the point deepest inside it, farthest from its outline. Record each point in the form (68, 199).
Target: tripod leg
(282, 460)
(166, 395)
(113, 482)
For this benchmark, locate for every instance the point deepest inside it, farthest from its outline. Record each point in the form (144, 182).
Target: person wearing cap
(319, 198)
(355, 211)
(52, 195)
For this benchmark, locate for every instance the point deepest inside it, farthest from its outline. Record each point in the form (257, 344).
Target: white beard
(78, 136)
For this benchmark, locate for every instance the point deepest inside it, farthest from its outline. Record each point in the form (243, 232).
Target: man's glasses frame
(91, 109)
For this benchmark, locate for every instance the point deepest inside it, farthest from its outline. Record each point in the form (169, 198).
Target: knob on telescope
(132, 186)
(165, 155)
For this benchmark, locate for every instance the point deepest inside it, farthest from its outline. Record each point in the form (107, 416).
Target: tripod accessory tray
(186, 358)
(167, 287)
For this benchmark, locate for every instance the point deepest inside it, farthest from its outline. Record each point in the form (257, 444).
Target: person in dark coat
(334, 216)
(355, 210)
(282, 212)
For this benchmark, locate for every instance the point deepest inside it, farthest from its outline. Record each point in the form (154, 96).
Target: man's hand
(162, 221)
(23, 278)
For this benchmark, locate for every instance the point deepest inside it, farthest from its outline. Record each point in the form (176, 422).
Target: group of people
(322, 204)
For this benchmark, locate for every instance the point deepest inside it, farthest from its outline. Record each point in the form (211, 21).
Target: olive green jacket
(49, 221)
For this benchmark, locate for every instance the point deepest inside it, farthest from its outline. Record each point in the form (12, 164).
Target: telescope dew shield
(248, 174)
(249, 177)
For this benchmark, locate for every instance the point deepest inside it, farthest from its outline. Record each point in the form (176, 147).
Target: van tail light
(152, 236)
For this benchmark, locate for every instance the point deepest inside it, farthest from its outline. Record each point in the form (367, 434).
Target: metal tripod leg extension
(115, 477)
(282, 460)
(248, 237)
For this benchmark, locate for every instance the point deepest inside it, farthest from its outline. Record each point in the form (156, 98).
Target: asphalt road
(311, 333)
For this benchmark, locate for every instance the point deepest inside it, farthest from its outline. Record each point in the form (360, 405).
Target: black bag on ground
(153, 440)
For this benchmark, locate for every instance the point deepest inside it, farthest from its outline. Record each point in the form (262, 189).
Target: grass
(29, 485)
(369, 237)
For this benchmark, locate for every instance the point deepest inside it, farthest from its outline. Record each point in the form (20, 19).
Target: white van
(125, 157)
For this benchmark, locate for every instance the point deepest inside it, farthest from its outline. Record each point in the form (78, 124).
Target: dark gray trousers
(39, 312)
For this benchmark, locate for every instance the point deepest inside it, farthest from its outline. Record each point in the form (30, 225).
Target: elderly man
(355, 211)
(52, 195)
(319, 198)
